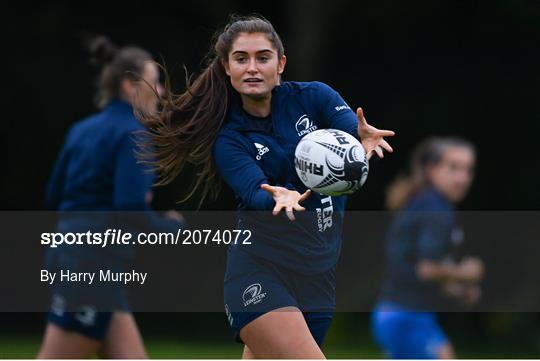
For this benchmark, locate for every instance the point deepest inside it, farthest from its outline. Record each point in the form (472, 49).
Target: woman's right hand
(175, 216)
(286, 199)
(468, 294)
(472, 269)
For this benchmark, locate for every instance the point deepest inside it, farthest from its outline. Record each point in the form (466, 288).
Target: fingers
(289, 210)
(290, 213)
(298, 208)
(288, 200)
(384, 144)
(369, 155)
(362, 124)
(386, 133)
(268, 188)
(379, 152)
(360, 115)
(304, 196)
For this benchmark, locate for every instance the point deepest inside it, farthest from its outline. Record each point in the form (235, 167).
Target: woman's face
(454, 174)
(147, 97)
(142, 93)
(253, 65)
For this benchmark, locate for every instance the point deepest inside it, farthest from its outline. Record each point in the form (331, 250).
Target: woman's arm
(246, 178)
(131, 179)
(132, 182)
(470, 270)
(241, 172)
(339, 115)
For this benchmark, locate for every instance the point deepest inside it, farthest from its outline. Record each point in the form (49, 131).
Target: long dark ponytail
(185, 129)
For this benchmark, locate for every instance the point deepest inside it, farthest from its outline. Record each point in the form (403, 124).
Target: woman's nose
(252, 67)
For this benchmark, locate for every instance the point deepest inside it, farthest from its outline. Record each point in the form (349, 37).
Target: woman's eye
(263, 59)
(241, 60)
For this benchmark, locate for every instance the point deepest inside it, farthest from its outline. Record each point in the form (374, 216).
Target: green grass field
(21, 347)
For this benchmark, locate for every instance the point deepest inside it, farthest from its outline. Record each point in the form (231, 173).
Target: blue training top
(251, 151)
(97, 170)
(423, 230)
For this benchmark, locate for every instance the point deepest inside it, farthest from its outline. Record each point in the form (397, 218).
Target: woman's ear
(127, 88)
(431, 173)
(281, 64)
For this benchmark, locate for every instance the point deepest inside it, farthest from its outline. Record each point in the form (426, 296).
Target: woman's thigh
(281, 333)
(59, 343)
(123, 340)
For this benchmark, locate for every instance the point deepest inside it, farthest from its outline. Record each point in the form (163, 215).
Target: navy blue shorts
(406, 334)
(254, 286)
(85, 309)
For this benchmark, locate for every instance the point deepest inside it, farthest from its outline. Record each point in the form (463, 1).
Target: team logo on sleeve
(252, 295)
(342, 107)
(304, 125)
(261, 150)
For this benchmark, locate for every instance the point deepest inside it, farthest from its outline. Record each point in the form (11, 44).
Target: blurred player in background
(97, 171)
(239, 120)
(424, 273)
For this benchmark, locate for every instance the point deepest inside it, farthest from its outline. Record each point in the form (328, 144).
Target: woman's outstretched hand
(286, 199)
(371, 137)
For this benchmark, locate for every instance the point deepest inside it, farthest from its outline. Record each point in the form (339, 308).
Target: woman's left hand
(372, 138)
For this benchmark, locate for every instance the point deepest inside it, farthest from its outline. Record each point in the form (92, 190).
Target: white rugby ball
(331, 162)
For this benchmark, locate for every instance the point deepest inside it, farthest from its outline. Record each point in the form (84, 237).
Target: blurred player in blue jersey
(97, 171)
(241, 122)
(424, 270)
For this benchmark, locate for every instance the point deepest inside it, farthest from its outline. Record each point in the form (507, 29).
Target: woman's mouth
(253, 80)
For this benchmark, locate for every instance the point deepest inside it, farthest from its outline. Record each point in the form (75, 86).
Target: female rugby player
(238, 119)
(425, 273)
(97, 171)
